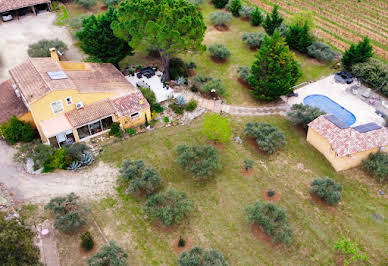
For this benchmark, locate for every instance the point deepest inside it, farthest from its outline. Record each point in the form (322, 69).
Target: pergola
(11, 5)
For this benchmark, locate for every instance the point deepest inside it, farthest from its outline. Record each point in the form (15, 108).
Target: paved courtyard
(16, 35)
(340, 93)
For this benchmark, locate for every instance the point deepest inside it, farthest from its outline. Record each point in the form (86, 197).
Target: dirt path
(97, 181)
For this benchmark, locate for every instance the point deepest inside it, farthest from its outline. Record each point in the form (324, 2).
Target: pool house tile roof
(8, 5)
(347, 141)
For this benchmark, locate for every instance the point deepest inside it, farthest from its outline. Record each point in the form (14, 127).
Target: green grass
(62, 16)
(237, 93)
(219, 221)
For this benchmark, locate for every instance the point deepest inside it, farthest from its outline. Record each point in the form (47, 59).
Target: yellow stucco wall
(127, 122)
(338, 163)
(27, 117)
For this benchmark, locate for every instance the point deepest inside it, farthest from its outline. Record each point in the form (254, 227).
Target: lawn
(219, 221)
(237, 93)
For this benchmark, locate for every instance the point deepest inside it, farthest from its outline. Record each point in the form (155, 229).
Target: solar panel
(57, 75)
(367, 127)
(336, 121)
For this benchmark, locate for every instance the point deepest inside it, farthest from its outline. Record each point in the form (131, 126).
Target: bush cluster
(214, 85)
(253, 39)
(243, 73)
(191, 105)
(197, 257)
(246, 11)
(15, 130)
(70, 214)
(321, 51)
(87, 242)
(220, 18)
(177, 68)
(301, 114)
(327, 189)
(86, 3)
(177, 108)
(219, 51)
(272, 219)
(150, 97)
(201, 161)
(374, 72)
(268, 138)
(377, 164)
(115, 130)
(42, 47)
(199, 81)
(109, 254)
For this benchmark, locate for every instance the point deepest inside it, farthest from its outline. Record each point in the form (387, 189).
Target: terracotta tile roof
(129, 104)
(10, 104)
(348, 140)
(7, 5)
(90, 113)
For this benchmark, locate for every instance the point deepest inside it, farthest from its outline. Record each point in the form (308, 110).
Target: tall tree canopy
(275, 70)
(272, 21)
(359, 53)
(299, 38)
(170, 26)
(99, 42)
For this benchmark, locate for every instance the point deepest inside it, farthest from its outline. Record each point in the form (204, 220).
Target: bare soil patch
(178, 250)
(218, 145)
(274, 198)
(161, 228)
(259, 233)
(244, 83)
(222, 27)
(192, 72)
(252, 142)
(321, 202)
(217, 60)
(244, 172)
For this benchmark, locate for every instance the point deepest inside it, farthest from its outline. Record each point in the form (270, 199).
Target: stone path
(218, 106)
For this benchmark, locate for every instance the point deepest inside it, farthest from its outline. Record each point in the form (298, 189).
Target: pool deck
(339, 93)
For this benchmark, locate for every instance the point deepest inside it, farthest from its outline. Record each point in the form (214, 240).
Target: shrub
(248, 164)
(272, 21)
(201, 161)
(86, 3)
(301, 114)
(219, 3)
(246, 11)
(299, 38)
(327, 189)
(115, 130)
(109, 254)
(42, 47)
(256, 17)
(178, 109)
(272, 219)
(196, 256)
(70, 215)
(87, 242)
(199, 81)
(130, 131)
(235, 7)
(38, 152)
(150, 97)
(216, 128)
(17, 243)
(131, 169)
(169, 207)
(181, 242)
(220, 18)
(215, 85)
(219, 51)
(56, 161)
(253, 39)
(191, 105)
(149, 182)
(15, 130)
(271, 193)
(359, 53)
(374, 72)
(268, 137)
(377, 164)
(76, 150)
(166, 120)
(177, 68)
(321, 51)
(243, 73)
(111, 2)
(180, 100)
(350, 251)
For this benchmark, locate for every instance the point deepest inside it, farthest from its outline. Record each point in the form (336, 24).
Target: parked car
(6, 17)
(343, 77)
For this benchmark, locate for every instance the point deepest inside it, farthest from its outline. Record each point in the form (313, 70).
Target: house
(73, 101)
(18, 5)
(346, 147)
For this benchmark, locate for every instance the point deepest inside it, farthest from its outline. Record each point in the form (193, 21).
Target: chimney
(54, 55)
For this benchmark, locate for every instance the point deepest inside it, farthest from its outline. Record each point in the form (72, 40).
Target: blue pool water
(330, 107)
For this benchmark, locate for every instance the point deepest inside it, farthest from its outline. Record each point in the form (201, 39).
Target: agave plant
(86, 159)
(181, 81)
(74, 166)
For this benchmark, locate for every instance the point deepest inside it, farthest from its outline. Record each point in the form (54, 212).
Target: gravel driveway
(96, 182)
(16, 35)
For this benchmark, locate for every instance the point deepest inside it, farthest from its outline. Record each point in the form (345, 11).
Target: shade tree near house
(275, 70)
(98, 41)
(268, 138)
(327, 189)
(17, 245)
(272, 219)
(201, 161)
(109, 254)
(301, 114)
(374, 72)
(169, 207)
(216, 128)
(198, 257)
(170, 26)
(272, 21)
(377, 165)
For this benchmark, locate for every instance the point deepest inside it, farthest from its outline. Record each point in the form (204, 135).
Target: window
(134, 115)
(57, 107)
(68, 101)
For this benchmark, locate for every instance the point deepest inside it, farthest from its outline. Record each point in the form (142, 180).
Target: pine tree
(275, 70)
(273, 21)
(256, 17)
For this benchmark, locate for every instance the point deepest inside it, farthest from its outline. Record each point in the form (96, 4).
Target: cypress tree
(273, 21)
(359, 53)
(256, 17)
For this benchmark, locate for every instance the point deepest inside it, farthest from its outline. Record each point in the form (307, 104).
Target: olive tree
(267, 137)
(327, 189)
(301, 114)
(197, 256)
(149, 182)
(109, 254)
(131, 169)
(42, 47)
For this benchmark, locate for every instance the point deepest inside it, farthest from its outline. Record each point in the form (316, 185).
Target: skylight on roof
(57, 75)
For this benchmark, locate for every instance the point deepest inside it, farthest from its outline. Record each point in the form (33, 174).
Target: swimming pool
(330, 107)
